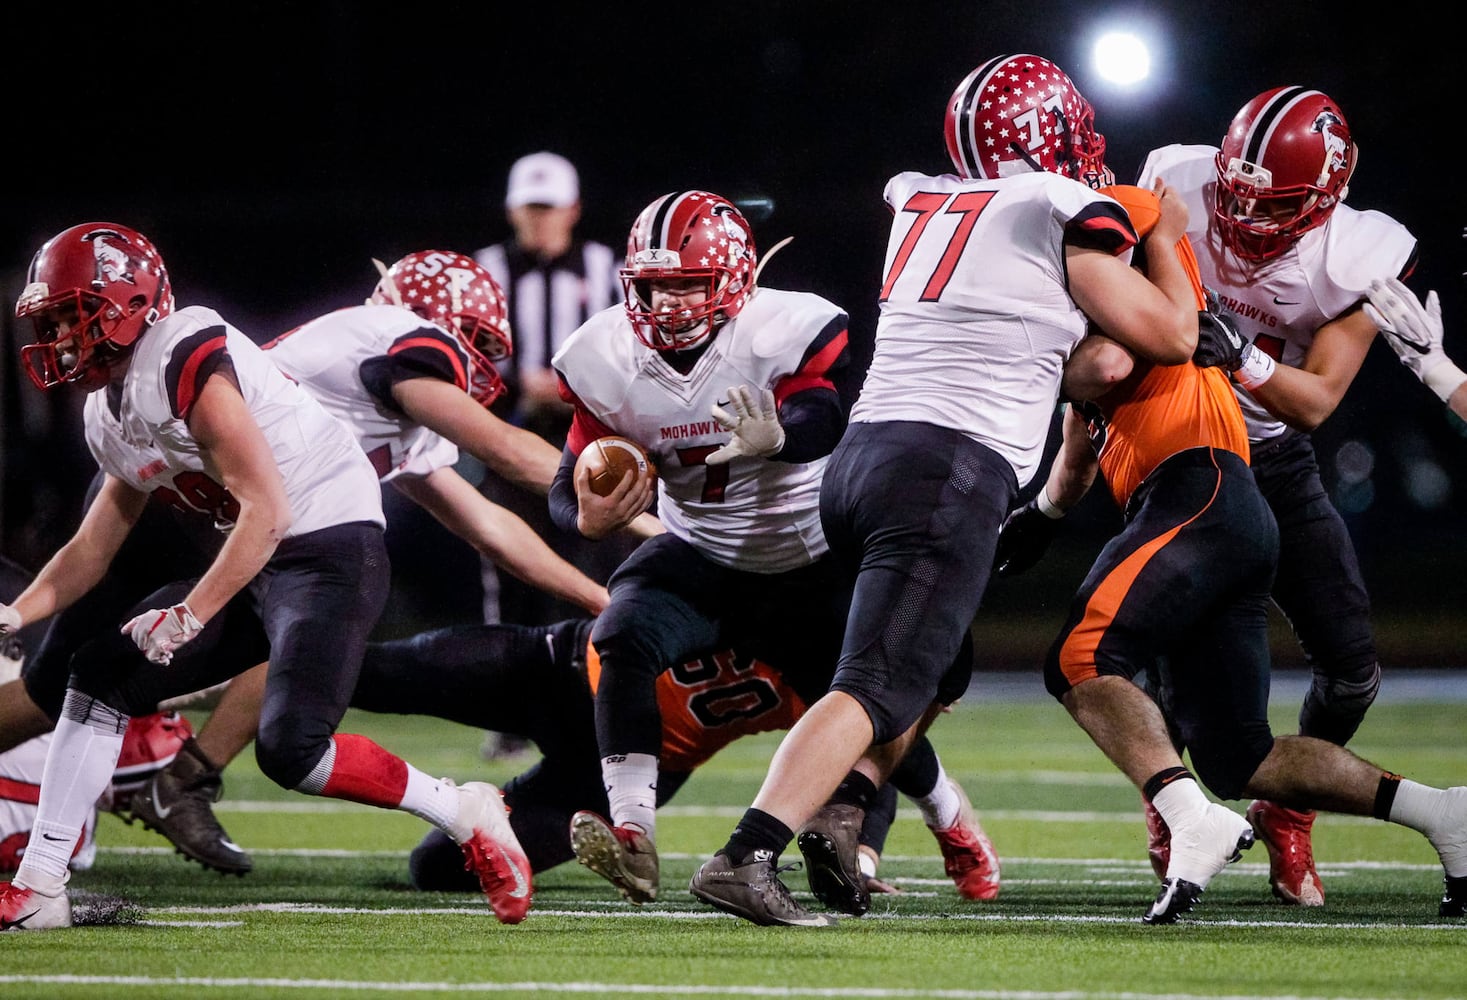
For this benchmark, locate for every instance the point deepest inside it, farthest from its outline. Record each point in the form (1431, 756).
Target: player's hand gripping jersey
(1282, 301)
(1162, 409)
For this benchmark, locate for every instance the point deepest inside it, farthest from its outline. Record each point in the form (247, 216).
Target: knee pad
(1335, 705)
(287, 754)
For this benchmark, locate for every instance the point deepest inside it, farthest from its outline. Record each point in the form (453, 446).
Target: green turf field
(327, 911)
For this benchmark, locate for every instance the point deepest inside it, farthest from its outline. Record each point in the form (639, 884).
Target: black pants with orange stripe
(1187, 581)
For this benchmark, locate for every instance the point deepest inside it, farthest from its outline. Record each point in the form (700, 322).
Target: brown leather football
(608, 459)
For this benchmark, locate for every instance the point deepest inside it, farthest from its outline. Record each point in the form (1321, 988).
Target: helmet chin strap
(388, 283)
(759, 269)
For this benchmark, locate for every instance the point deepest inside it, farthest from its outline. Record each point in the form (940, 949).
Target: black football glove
(1023, 539)
(1219, 344)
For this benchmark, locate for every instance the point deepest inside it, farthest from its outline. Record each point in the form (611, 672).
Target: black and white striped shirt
(549, 300)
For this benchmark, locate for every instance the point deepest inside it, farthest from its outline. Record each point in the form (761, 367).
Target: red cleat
(493, 852)
(967, 854)
(1285, 832)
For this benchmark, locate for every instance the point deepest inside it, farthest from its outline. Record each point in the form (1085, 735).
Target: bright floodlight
(1122, 58)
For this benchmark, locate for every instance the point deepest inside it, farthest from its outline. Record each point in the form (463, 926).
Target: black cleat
(1177, 897)
(830, 845)
(1454, 897)
(752, 891)
(177, 803)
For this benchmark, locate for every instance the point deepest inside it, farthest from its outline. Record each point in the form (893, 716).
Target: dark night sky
(271, 150)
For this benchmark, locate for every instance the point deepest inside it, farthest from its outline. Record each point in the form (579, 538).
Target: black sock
(855, 790)
(757, 831)
(1385, 795)
(1161, 779)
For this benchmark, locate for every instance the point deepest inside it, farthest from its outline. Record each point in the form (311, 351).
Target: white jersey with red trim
(976, 324)
(755, 514)
(1283, 301)
(327, 356)
(328, 480)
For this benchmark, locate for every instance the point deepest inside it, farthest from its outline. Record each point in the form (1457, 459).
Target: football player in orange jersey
(1188, 579)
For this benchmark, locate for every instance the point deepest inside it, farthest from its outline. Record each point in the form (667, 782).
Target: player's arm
(1028, 531)
(518, 456)
(79, 565)
(1156, 316)
(501, 536)
(233, 445)
(1304, 397)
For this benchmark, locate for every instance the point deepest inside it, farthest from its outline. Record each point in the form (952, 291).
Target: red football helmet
(107, 284)
(1021, 113)
(456, 293)
(688, 235)
(1283, 167)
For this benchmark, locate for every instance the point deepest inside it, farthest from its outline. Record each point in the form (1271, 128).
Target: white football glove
(159, 632)
(1415, 333)
(754, 423)
(9, 620)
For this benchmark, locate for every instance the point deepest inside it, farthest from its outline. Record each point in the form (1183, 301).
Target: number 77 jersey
(976, 320)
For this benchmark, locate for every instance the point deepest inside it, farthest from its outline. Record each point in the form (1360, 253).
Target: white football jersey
(753, 514)
(1282, 301)
(328, 355)
(147, 444)
(976, 324)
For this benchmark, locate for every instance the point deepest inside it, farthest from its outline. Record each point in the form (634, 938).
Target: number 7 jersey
(976, 321)
(755, 514)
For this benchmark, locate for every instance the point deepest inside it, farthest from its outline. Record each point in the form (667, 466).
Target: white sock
(1440, 814)
(78, 769)
(433, 799)
(631, 790)
(941, 806)
(1180, 801)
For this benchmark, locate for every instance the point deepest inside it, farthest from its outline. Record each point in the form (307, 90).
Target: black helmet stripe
(1267, 117)
(966, 143)
(657, 238)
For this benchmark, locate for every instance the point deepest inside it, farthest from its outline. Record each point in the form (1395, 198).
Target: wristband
(1256, 369)
(1443, 379)
(1047, 506)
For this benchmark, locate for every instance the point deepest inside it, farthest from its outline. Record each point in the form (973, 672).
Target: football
(608, 459)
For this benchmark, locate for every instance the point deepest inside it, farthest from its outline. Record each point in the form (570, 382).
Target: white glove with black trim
(754, 423)
(1415, 333)
(159, 633)
(9, 620)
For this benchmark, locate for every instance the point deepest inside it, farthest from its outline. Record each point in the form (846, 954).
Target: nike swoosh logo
(521, 884)
(158, 805)
(19, 922)
(725, 402)
(1280, 302)
(47, 836)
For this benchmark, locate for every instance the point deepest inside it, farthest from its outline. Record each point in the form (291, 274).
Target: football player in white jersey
(990, 276)
(737, 392)
(186, 407)
(410, 372)
(1276, 243)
